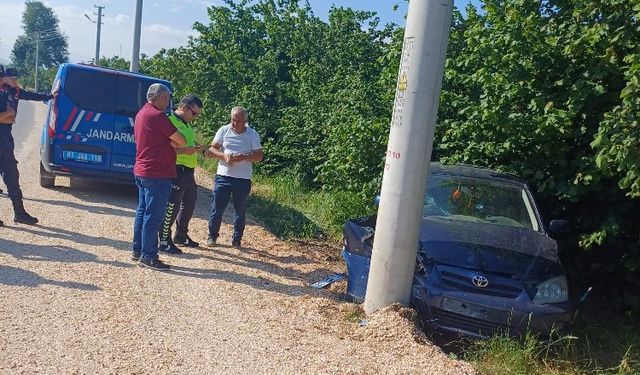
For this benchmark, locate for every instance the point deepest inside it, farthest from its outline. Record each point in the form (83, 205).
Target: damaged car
(485, 265)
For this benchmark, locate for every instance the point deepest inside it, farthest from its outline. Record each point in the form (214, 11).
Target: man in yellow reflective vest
(182, 200)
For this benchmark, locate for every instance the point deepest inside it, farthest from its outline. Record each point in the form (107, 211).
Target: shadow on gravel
(59, 233)
(97, 191)
(297, 259)
(54, 253)
(219, 254)
(242, 260)
(18, 277)
(101, 210)
(232, 277)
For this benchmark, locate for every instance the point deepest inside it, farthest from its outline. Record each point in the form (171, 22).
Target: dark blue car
(485, 262)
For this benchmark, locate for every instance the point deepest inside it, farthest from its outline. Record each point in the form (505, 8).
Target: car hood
(514, 252)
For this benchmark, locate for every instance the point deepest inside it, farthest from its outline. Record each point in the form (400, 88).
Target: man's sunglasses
(195, 114)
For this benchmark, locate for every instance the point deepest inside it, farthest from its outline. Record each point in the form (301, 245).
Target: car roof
(90, 67)
(466, 170)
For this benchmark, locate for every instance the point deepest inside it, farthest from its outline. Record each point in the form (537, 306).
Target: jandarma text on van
(111, 136)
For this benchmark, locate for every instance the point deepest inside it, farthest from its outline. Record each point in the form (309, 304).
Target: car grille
(465, 323)
(463, 282)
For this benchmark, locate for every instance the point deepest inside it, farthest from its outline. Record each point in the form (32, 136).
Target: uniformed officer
(10, 94)
(184, 190)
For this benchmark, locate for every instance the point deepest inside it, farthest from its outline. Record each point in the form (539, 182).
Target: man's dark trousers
(224, 188)
(182, 203)
(9, 166)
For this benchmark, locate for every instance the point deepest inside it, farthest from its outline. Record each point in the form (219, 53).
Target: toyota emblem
(480, 281)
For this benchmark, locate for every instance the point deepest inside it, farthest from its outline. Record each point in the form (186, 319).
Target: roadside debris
(328, 280)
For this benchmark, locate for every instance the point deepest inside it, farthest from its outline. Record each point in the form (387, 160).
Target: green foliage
(114, 62)
(291, 210)
(40, 24)
(549, 90)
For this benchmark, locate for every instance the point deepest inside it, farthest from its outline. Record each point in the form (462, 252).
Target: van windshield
(106, 92)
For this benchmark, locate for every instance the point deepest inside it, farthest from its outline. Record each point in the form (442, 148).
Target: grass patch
(292, 210)
(355, 313)
(610, 347)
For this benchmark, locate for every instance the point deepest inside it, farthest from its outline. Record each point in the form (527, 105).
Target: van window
(132, 95)
(94, 91)
(91, 90)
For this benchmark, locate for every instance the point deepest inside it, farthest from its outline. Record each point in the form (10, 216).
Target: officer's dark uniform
(9, 97)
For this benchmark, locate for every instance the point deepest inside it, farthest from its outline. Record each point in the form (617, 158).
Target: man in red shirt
(155, 167)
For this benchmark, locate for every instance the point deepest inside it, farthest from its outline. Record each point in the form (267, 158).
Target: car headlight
(554, 290)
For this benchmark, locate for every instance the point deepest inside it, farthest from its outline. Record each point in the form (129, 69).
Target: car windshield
(478, 200)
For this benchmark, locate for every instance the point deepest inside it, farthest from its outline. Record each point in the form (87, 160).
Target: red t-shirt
(155, 157)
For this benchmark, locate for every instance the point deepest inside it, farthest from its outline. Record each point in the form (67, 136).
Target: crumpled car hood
(515, 252)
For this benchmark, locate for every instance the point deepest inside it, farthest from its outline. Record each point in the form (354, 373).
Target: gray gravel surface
(72, 301)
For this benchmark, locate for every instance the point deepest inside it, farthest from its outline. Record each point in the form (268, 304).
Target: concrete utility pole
(408, 153)
(135, 56)
(98, 30)
(98, 27)
(35, 83)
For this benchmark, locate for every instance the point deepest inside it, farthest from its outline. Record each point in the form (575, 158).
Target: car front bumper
(464, 313)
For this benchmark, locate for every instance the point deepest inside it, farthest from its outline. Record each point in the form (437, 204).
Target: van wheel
(47, 179)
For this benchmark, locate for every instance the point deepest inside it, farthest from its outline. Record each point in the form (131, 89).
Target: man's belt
(184, 168)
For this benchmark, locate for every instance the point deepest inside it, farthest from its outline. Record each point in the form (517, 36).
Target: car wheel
(47, 179)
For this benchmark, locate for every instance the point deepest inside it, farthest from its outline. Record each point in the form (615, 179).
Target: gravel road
(72, 301)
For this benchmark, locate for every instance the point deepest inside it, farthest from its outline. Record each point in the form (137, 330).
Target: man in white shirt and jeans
(237, 147)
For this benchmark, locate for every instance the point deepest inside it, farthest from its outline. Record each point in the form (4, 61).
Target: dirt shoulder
(72, 301)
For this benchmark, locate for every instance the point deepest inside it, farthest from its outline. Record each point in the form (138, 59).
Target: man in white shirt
(237, 147)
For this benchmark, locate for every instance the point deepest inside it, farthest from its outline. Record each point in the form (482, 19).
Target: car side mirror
(558, 226)
(376, 201)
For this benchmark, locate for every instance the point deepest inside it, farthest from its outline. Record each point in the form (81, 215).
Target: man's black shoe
(25, 218)
(185, 241)
(135, 256)
(170, 249)
(236, 243)
(154, 264)
(211, 241)
(1, 223)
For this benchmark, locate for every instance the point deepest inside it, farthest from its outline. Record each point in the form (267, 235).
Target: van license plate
(84, 157)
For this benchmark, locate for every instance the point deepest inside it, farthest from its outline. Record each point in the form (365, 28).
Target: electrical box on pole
(408, 153)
